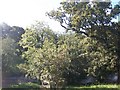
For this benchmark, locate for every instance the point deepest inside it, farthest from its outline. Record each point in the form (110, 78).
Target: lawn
(95, 87)
(33, 86)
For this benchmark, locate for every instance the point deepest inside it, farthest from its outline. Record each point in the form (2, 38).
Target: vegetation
(94, 20)
(32, 86)
(95, 87)
(10, 55)
(26, 85)
(90, 51)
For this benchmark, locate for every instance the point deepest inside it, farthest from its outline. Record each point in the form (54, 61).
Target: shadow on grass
(21, 89)
(24, 86)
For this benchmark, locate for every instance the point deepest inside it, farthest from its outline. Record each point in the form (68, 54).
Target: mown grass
(95, 87)
(34, 86)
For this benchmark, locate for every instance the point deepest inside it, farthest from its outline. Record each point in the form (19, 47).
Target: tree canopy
(64, 56)
(93, 19)
(10, 55)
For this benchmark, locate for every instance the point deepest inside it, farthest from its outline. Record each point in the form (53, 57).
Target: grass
(24, 86)
(94, 87)
(34, 86)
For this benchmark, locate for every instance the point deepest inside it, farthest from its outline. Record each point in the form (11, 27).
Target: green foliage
(47, 59)
(94, 20)
(36, 34)
(87, 18)
(94, 48)
(9, 57)
(65, 58)
(29, 39)
(91, 55)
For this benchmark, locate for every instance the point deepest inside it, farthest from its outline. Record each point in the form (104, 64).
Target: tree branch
(73, 29)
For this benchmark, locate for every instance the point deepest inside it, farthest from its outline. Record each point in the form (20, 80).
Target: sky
(23, 13)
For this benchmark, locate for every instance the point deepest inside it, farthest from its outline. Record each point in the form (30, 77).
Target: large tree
(43, 56)
(88, 57)
(10, 59)
(10, 55)
(67, 56)
(92, 19)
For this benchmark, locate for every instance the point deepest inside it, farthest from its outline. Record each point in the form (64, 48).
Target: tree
(94, 20)
(101, 62)
(48, 58)
(88, 57)
(36, 34)
(13, 32)
(63, 56)
(9, 57)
